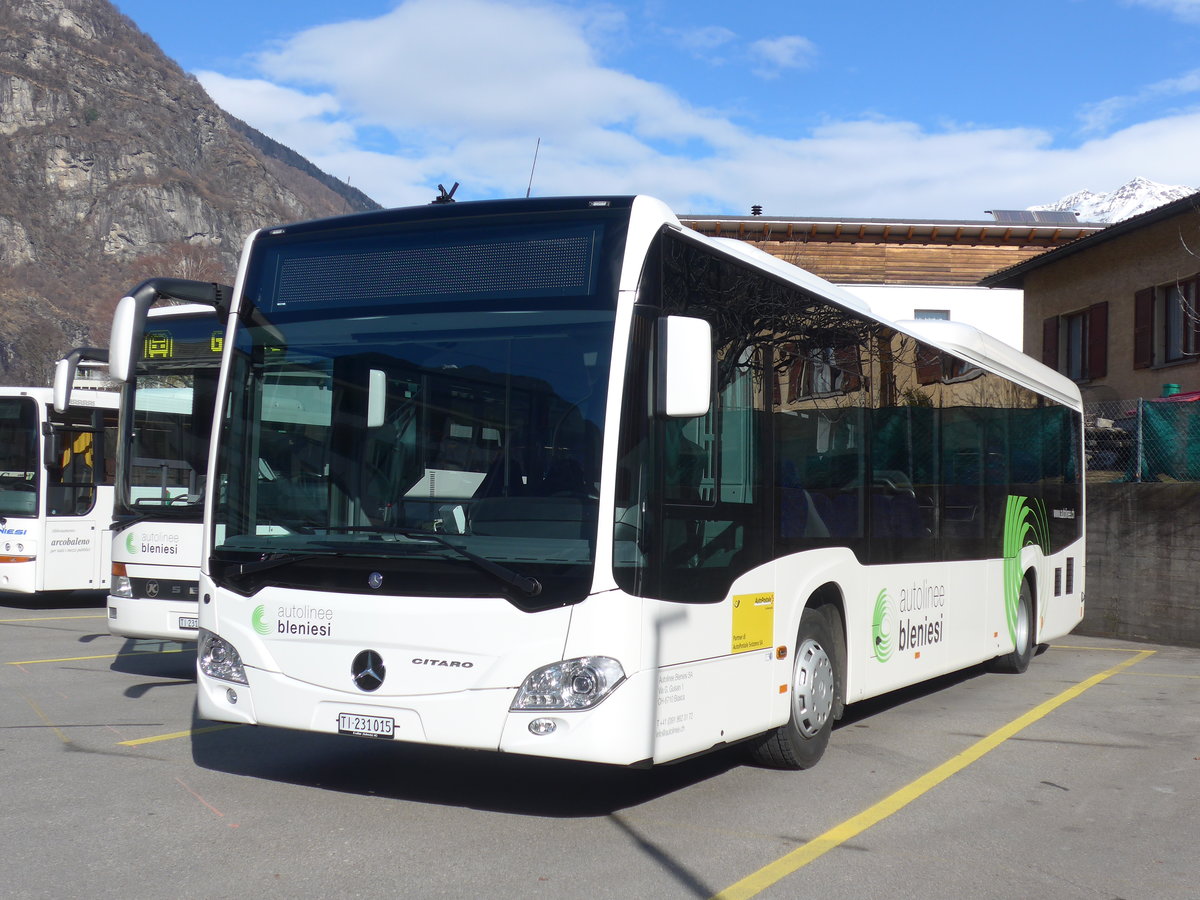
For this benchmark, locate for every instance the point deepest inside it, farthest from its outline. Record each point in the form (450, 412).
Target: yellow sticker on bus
(753, 622)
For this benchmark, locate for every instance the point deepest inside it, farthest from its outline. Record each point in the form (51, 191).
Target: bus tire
(800, 742)
(1018, 661)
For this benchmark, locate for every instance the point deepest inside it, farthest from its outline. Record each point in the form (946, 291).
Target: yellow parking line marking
(1097, 649)
(774, 872)
(178, 734)
(30, 662)
(41, 715)
(48, 619)
(1162, 675)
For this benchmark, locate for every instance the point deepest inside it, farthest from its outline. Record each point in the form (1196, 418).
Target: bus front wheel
(800, 742)
(1018, 661)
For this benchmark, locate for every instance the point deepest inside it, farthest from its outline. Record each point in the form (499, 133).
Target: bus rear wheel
(800, 743)
(1018, 661)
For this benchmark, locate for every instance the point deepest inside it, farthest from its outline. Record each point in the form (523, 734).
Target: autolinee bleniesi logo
(299, 621)
(131, 543)
(259, 620)
(881, 626)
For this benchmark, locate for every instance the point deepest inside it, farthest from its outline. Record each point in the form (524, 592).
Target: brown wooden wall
(879, 263)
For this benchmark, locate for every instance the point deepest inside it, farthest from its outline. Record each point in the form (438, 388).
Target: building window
(1165, 324)
(1076, 344)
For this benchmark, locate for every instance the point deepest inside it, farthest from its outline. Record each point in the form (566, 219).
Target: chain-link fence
(1143, 440)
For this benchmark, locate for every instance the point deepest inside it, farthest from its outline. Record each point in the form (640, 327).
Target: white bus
(56, 490)
(578, 482)
(162, 458)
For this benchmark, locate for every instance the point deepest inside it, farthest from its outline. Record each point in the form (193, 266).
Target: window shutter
(1143, 329)
(1097, 349)
(1050, 342)
(850, 363)
(929, 365)
(1192, 292)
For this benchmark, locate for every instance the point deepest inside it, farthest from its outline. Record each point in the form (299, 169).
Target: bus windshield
(18, 456)
(173, 401)
(440, 443)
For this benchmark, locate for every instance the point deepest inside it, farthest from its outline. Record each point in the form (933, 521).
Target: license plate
(189, 623)
(366, 726)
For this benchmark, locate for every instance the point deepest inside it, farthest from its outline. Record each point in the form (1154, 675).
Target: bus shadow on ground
(53, 600)
(446, 776)
(859, 713)
(168, 662)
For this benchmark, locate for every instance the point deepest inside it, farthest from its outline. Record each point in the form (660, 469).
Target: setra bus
(56, 489)
(168, 389)
(574, 481)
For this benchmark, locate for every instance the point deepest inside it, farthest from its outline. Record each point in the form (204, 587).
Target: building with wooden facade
(911, 268)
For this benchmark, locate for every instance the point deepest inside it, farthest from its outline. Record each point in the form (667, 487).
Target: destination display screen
(405, 267)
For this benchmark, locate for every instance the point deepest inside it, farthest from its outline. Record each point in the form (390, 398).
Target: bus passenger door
(78, 522)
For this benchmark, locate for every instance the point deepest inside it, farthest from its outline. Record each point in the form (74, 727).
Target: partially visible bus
(56, 489)
(578, 482)
(162, 461)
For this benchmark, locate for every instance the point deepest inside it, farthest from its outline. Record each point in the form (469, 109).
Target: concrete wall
(1143, 563)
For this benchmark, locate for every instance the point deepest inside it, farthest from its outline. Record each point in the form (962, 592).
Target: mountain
(1138, 196)
(116, 166)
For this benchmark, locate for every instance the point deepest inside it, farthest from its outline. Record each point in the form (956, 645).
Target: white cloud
(1102, 115)
(773, 55)
(289, 116)
(1186, 10)
(461, 105)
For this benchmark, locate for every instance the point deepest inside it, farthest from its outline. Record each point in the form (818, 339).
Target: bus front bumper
(617, 731)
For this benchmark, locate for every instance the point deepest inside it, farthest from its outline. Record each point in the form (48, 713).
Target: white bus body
(578, 482)
(162, 462)
(56, 492)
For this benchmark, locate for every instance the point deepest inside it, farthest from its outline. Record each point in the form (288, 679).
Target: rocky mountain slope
(1133, 198)
(116, 165)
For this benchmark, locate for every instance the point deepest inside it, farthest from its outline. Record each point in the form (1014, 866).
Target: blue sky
(937, 109)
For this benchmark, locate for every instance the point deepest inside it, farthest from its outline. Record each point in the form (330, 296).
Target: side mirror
(52, 447)
(64, 380)
(129, 320)
(129, 323)
(376, 397)
(685, 367)
(64, 373)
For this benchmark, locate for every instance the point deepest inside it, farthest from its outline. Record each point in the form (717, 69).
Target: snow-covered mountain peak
(1133, 198)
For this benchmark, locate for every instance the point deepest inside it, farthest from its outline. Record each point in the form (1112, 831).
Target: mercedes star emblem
(375, 580)
(368, 670)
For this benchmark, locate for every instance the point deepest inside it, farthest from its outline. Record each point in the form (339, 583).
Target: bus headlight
(120, 586)
(218, 658)
(570, 684)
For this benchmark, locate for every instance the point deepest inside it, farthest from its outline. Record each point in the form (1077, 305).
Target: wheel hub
(812, 693)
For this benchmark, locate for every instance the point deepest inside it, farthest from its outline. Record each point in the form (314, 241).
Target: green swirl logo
(131, 543)
(259, 620)
(1025, 524)
(881, 626)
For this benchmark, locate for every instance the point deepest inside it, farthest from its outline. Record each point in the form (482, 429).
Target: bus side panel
(1061, 593)
(916, 622)
(71, 554)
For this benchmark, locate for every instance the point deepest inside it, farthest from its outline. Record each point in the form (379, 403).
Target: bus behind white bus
(575, 481)
(167, 359)
(56, 490)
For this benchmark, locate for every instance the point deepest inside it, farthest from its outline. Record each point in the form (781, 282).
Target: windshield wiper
(524, 583)
(274, 562)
